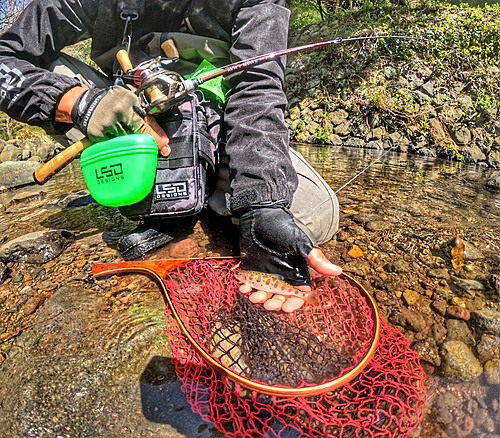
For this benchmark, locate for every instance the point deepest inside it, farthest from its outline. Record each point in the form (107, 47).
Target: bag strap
(129, 11)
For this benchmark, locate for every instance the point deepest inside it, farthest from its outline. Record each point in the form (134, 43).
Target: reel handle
(124, 60)
(59, 161)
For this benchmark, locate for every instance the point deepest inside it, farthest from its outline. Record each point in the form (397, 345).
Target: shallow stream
(120, 358)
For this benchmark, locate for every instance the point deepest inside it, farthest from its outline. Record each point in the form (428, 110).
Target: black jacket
(257, 145)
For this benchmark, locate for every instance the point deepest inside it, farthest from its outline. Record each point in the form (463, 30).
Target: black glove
(103, 113)
(270, 241)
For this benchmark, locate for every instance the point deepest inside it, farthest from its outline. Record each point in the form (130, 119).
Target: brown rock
(458, 312)
(32, 304)
(184, 249)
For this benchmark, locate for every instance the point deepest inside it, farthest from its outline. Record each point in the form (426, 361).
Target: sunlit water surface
(417, 185)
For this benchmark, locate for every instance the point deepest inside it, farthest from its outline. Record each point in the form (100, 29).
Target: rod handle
(124, 60)
(60, 161)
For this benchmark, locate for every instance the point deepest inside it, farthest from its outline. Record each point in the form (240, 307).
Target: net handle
(153, 268)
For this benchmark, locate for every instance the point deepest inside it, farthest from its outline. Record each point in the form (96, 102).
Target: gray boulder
(17, 173)
(38, 247)
(11, 153)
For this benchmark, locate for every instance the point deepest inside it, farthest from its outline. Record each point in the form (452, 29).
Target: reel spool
(162, 89)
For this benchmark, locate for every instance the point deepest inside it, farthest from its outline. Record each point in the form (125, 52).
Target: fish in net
(261, 345)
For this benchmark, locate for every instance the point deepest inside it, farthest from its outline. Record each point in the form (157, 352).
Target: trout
(274, 285)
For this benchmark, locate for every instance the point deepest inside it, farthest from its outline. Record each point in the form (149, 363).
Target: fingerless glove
(103, 113)
(270, 241)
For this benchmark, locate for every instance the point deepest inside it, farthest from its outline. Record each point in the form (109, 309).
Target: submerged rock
(428, 351)
(487, 321)
(457, 361)
(488, 348)
(38, 247)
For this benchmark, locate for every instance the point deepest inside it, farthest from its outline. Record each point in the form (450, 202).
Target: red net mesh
(386, 399)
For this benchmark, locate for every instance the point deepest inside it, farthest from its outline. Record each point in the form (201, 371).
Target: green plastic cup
(120, 171)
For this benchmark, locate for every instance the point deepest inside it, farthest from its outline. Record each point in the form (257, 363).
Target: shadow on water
(164, 402)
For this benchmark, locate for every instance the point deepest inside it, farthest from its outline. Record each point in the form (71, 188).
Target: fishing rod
(161, 89)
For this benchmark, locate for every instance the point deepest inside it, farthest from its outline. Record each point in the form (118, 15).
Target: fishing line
(366, 168)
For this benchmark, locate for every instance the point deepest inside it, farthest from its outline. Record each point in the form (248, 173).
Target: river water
(427, 200)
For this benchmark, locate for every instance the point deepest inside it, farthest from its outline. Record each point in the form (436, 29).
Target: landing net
(384, 400)
(316, 372)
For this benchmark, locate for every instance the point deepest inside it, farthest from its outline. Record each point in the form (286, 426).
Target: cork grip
(60, 161)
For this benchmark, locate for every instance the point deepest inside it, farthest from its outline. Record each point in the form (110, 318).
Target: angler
(233, 153)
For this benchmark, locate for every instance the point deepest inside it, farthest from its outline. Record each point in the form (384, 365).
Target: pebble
(399, 266)
(488, 348)
(379, 226)
(458, 330)
(439, 306)
(438, 273)
(428, 351)
(439, 332)
(468, 285)
(487, 320)
(366, 217)
(410, 297)
(458, 312)
(32, 304)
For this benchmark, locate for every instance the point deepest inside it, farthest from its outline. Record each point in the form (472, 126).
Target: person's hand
(271, 241)
(106, 113)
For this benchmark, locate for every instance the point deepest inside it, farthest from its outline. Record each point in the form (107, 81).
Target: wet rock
(458, 361)
(468, 285)
(32, 304)
(17, 173)
(379, 225)
(439, 306)
(458, 312)
(439, 332)
(438, 274)
(428, 351)
(492, 372)
(487, 321)
(184, 249)
(488, 348)
(459, 331)
(398, 266)
(366, 217)
(38, 247)
(87, 361)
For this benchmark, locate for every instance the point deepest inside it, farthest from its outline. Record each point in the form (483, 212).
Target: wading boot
(142, 240)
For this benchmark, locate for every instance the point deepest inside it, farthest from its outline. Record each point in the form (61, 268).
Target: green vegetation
(458, 47)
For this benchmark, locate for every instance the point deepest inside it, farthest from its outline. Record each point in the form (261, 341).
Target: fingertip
(318, 261)
(165, 151)
(292, 304)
